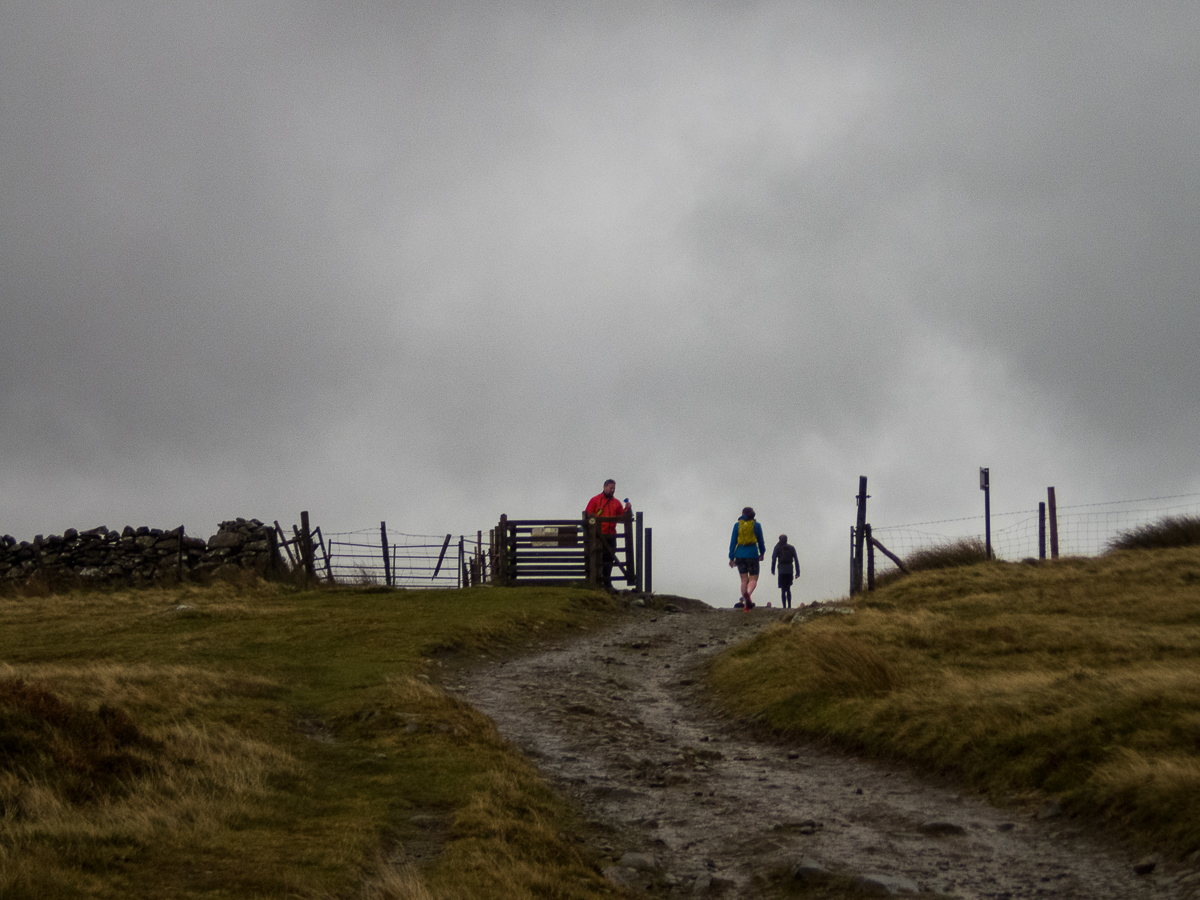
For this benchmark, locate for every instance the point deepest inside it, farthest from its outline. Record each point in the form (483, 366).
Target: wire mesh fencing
(372, 556)
(1084, 530)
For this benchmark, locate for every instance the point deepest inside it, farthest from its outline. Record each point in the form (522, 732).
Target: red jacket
(605, 506)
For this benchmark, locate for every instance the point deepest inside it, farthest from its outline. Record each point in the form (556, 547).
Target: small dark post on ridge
(1053, 511)
(387, 563)
(985, 486)
(1041, 531)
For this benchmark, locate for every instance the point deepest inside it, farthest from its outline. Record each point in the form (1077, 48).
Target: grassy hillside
(259, 741)
(1077, 679)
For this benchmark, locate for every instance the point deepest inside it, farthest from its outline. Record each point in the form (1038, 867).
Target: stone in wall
(140, 556)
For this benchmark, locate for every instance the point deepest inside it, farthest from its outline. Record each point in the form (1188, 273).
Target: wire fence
(410, 560)
(1084, 530)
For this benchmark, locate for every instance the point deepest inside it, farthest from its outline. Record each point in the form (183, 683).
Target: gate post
(591, 548)
(310, 573)
(630, 563)
(856, 574)
(639, 545)
(649, 581)
(500, 554)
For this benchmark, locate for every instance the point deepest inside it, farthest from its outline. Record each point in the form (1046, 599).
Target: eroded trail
(615, 721)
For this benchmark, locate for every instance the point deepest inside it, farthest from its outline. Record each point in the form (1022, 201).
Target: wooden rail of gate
(566, 550)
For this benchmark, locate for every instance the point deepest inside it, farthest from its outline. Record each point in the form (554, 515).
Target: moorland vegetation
(258, 740)
(1074, 682)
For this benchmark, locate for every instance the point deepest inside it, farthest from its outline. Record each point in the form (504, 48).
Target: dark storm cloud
(434, 263)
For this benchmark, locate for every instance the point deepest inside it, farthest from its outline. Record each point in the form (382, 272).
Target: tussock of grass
(257, 740)
(1078, 679)
(1171, 531)
(963, 552)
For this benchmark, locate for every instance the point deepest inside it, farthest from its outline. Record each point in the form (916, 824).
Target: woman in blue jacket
(746, 550)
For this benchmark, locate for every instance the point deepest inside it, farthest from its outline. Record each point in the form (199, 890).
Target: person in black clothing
(785, 556)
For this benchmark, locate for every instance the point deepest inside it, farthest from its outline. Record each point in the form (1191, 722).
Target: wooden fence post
(856, 583)
(1053, 511)
(283, 542)
(1041, 530)
(500, 561)
(647, 583)
(852, 560)
(630, 562)
(494, 551)
(441, 557)
(640, 557)
(593, 552)
(387, 563)
(310, 571)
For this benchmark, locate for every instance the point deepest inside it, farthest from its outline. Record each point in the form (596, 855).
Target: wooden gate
(556, 551)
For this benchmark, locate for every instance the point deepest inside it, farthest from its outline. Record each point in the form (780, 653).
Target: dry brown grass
(1078, 679)
(249, 740)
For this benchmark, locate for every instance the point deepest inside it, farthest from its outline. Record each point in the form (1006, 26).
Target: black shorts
(747, 566)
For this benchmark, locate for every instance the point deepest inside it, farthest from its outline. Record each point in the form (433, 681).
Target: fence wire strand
(1083, 530)
(357, 557)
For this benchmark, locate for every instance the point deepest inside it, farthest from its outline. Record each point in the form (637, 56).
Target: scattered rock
(1052, 810)
(882, 885)
(621, 877)
(643, 862)
(808, 870)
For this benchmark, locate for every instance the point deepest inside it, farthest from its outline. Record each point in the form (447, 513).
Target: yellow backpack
(746, 533)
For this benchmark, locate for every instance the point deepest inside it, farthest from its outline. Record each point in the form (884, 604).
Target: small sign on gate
(554, 536)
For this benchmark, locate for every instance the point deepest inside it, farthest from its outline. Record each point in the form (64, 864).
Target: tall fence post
(640, 557)
(387, 562)
(856, 583)
(647, 583)
(985, 485)
(630, 561)
(1052, 509)
(462, 580)
(494, 551)
(310, 571)
(1041, 530)
(593, 552)
(501, 563)
(852, 560)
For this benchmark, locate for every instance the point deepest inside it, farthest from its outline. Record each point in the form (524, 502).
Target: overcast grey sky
(431, 263)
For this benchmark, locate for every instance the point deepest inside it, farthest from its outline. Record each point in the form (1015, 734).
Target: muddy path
(686, 803)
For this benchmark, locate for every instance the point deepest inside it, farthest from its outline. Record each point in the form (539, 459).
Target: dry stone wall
(141, 556)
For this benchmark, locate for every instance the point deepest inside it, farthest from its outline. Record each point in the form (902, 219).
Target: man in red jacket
(606, 504)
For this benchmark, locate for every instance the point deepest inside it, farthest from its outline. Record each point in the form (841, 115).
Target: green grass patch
(1078, 679)
(256, 740)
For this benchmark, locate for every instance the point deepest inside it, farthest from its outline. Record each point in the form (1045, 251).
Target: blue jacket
(747, 551)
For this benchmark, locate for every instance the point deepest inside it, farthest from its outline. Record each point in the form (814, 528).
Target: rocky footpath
(685, 803)
(140, 556)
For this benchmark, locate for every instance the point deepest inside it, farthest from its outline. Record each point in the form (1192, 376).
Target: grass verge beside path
(259, 741)
(1077, 679)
